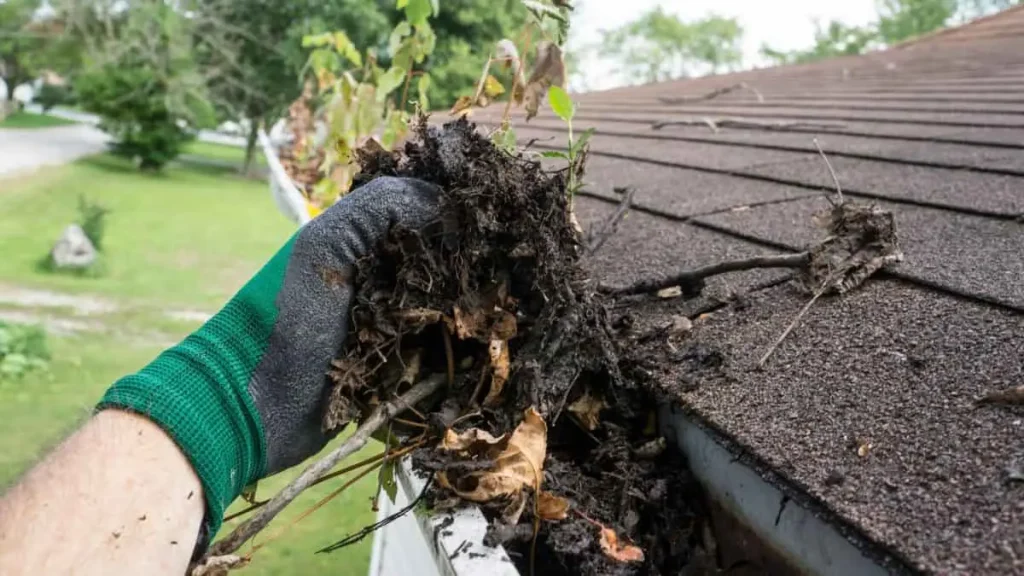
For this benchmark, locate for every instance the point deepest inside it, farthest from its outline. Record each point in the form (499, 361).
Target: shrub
(51, 95)
(22, 350)
(134, 107)
(92, 218)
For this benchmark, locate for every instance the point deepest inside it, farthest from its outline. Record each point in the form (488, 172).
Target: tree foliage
(834, 39)
(142, 80)
(20, 44)
(898, 20)
(659, 46)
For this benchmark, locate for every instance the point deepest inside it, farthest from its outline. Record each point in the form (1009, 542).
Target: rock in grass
(74, 250)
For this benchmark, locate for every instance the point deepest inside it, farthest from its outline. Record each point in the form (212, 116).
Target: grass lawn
(223, 152)
(29, 120)
(183, 240)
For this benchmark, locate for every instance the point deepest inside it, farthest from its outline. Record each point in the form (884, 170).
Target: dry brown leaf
(462, 106)
(498, 352)
(498, 325)
(412, 368)
(616, 550)
(588, 409)
(518, 466)
(548, 70)
(474, 441)
(493, 87)
(1013, 395)
(468, 324)
(552, 507)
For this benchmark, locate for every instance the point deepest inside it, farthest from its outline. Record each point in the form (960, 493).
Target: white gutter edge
(455, 538)
(289, 200)
(801, 537)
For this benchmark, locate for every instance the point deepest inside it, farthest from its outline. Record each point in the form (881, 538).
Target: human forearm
(117, 497)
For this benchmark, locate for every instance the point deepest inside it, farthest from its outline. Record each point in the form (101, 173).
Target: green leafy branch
(575, 154)
(357, 95)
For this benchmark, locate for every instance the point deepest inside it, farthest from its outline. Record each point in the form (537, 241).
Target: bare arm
(117, 497)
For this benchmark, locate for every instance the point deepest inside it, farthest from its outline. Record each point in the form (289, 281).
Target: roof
(932, 130)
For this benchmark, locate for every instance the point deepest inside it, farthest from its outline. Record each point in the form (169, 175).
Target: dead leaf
(462, 106)
(616, 550)
(493, 87)
(518, 466)
(498, 352)
(552, 507)
(475, 441)
(588, 409)
(1011, 396)
(670, 292)
(652, 449)
(548, 70)
(498, 325)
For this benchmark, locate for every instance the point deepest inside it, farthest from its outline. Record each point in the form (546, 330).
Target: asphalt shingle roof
(932, 130)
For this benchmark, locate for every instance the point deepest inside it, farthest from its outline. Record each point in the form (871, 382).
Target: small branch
(792, 325)
(715, 123)
(381, 415)
(693, 277)
(715, 94)
(610, 226)
(448, 354)
(835, 180)
(363, 533)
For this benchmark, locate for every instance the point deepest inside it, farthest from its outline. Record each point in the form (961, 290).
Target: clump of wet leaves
(537, 424)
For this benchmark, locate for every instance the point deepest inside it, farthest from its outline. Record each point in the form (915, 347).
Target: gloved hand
(243, 396)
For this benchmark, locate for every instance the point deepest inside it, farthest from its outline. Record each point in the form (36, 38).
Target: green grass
(29, 120)
(182, 238)
(222, 152)
(39, 410)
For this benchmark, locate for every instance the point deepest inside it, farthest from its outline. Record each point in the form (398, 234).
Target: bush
(134, 107)
(22, 350)
(92, 218)
(51, 95)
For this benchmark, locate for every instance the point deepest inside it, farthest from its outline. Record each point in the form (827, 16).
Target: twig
(363, 533)
(793, 324)
(610, 226)
(835, 180)
(691, 278)
(448, 354)
(715, 123)
(714, 94)
(311, 474)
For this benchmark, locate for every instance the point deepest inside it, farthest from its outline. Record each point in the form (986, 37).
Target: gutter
(753, 519)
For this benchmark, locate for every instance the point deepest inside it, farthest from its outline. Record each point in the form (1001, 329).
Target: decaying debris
(1010, 396)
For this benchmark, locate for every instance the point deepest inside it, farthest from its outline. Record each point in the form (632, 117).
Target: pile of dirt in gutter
(546, 423)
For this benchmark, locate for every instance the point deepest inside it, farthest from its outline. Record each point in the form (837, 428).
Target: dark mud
(504, 263)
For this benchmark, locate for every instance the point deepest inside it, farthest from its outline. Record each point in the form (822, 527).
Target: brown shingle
(897, 363)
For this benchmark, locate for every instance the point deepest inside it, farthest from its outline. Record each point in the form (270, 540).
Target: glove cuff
(198, 392)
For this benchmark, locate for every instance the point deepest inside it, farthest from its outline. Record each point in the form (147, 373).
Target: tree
(836, 39)
(18, 43)
(142, 79)
(904, 19)
(658, 46)
(467, 31)
(255, 47)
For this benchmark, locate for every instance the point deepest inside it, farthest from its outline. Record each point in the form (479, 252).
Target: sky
(783, 24)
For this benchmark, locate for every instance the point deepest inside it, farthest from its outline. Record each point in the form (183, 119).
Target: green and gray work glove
(243, 396)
